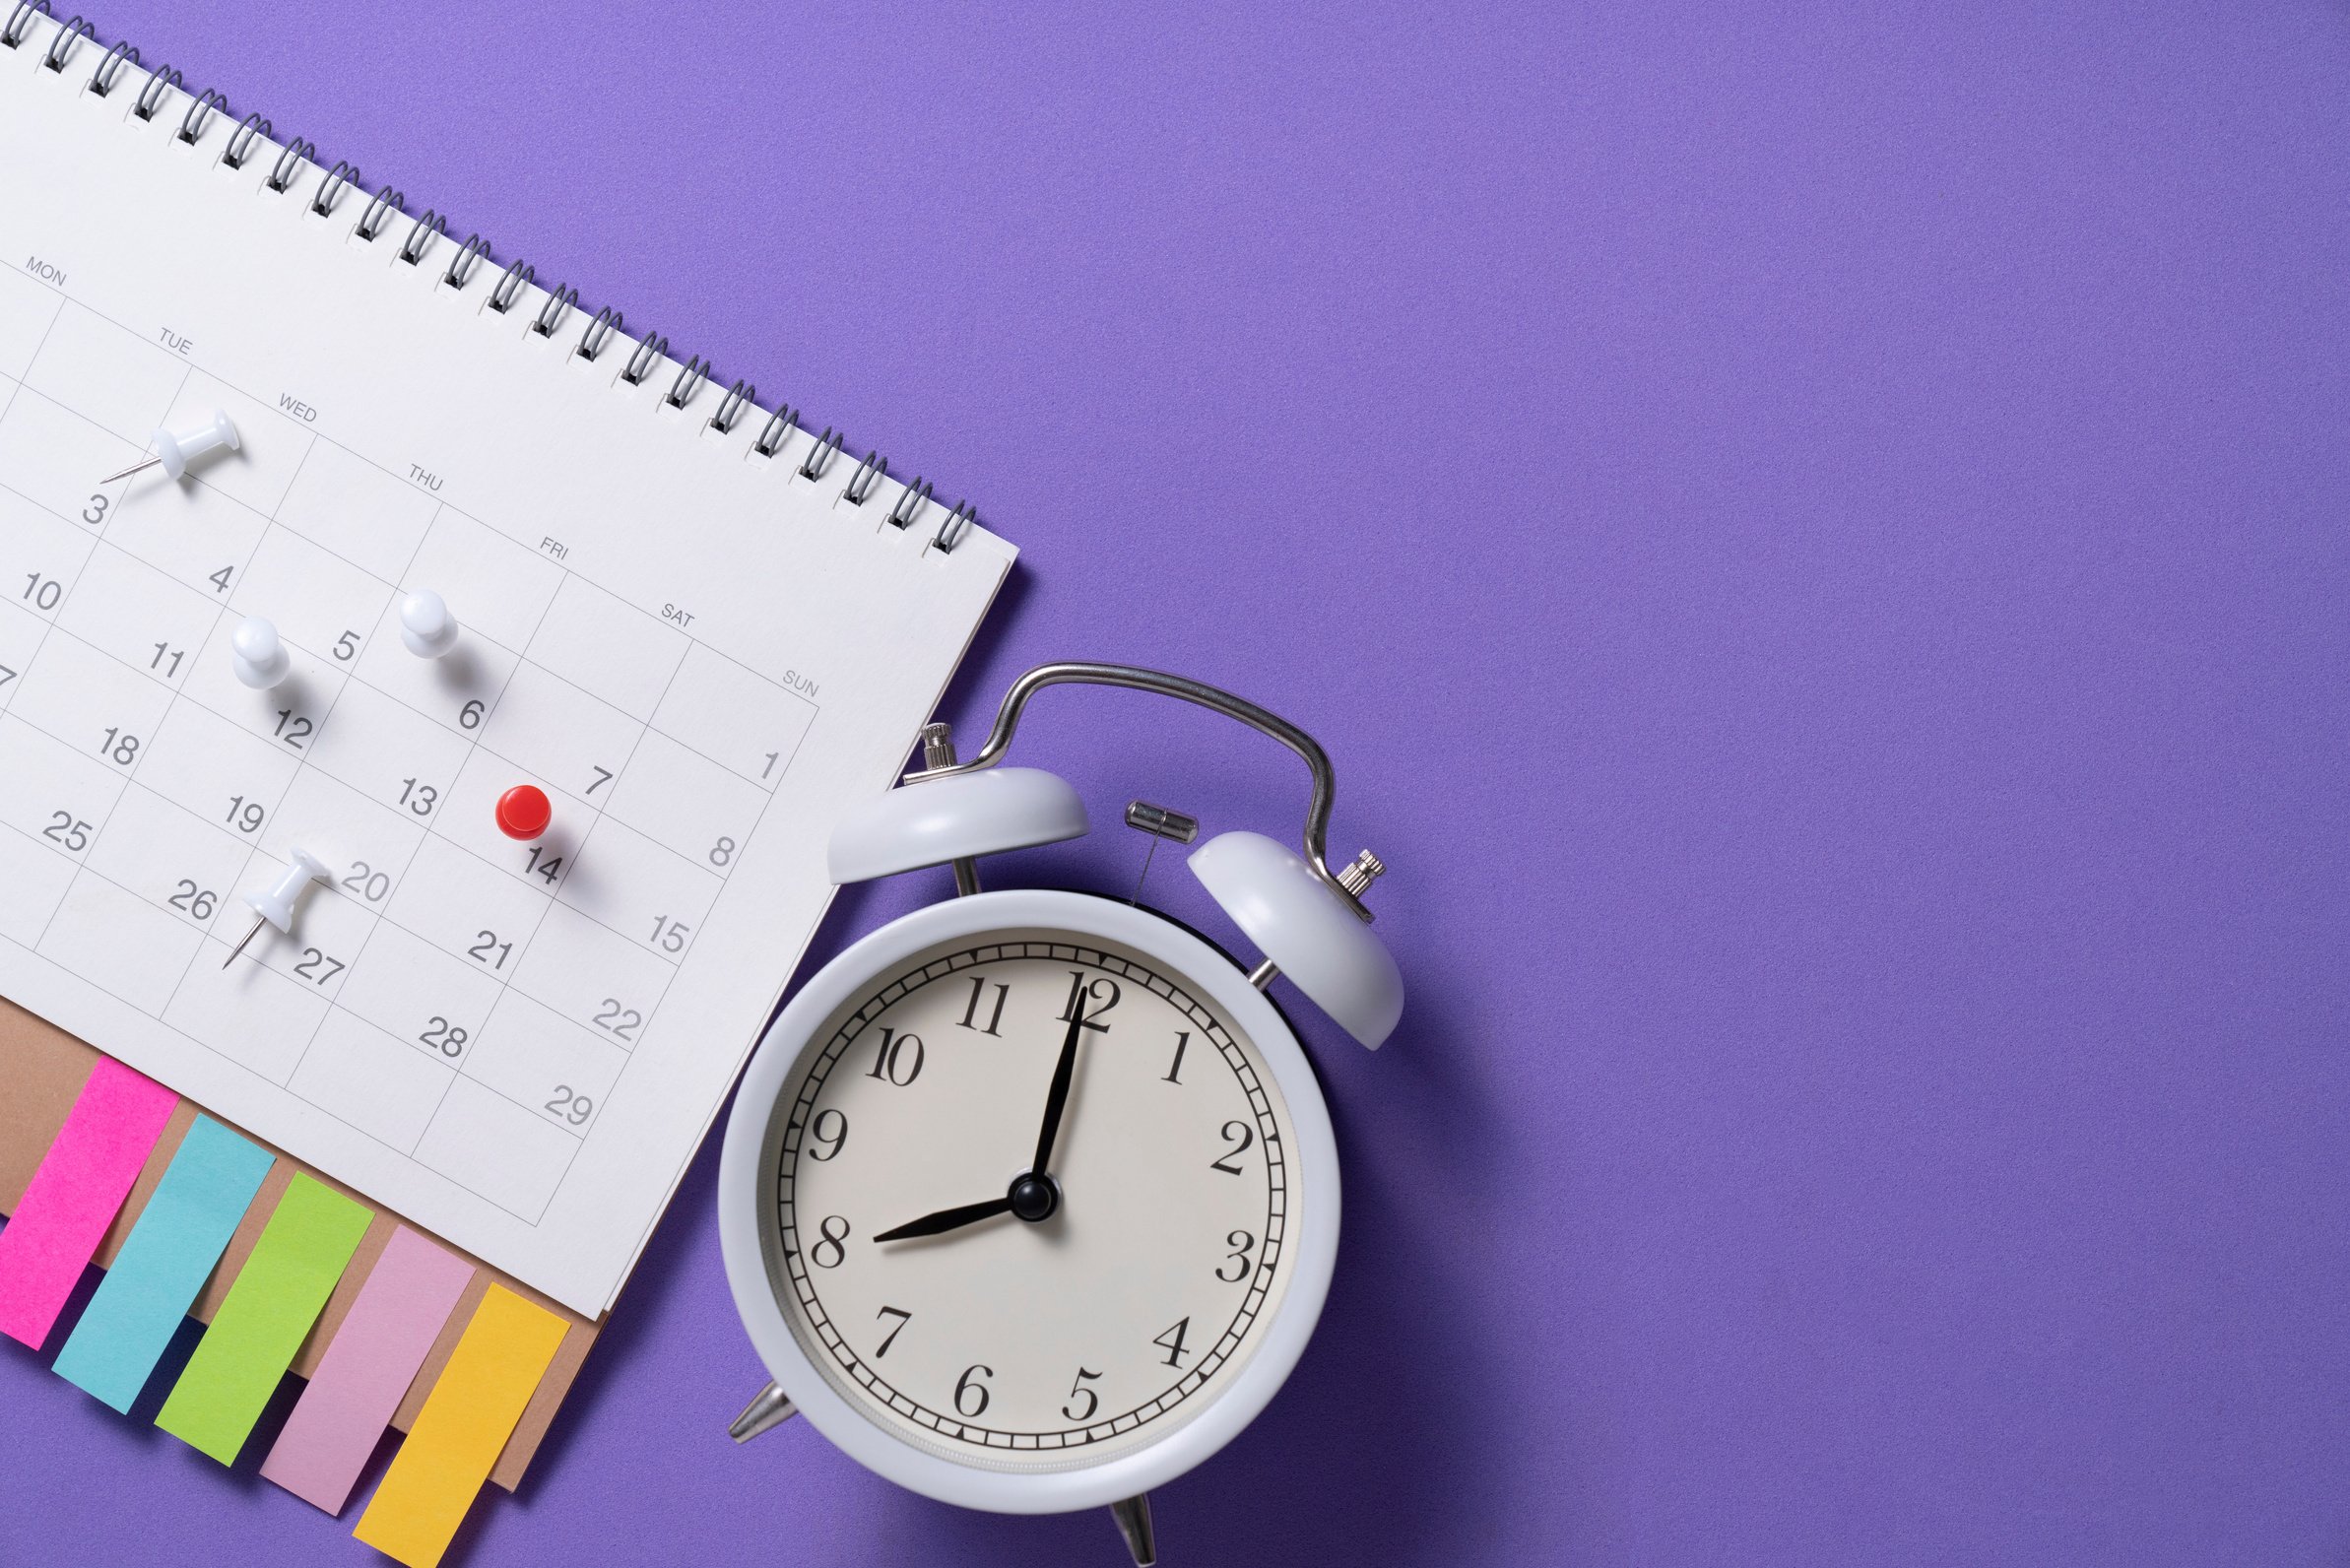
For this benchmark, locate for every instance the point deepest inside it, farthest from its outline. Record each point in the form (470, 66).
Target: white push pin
(426, 626)
(275, 907)
(261, 660)
(173, 448)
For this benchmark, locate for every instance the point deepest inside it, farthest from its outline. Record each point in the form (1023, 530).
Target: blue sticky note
(169, 1253)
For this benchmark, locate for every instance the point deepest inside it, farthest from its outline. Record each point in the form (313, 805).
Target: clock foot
(1134, 1523)
(769, 1409)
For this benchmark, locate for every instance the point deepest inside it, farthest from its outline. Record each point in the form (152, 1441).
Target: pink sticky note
(366, 1370)
(82, 1181)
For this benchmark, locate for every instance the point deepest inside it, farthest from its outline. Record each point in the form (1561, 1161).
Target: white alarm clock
(1030, 1198)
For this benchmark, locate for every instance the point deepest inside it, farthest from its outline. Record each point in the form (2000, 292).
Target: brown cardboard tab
(45, 1069)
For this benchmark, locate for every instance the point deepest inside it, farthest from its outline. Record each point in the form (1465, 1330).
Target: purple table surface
(1816, 544)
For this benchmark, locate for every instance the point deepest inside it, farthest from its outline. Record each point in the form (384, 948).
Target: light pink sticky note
(366, 1369)
(82, 1181)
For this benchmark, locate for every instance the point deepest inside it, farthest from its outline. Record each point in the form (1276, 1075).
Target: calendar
(698, 629)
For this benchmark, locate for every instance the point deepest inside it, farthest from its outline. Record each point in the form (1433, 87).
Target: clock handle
(1134, 1523)
(1184, 690)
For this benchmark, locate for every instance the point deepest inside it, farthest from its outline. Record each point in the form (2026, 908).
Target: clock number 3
(1077, 1391)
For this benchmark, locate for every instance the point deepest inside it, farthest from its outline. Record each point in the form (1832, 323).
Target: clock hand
(1056, 1098)
(946, 1219)
(1033, 1195)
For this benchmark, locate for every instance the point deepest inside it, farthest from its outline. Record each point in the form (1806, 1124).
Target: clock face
(1029, 1326)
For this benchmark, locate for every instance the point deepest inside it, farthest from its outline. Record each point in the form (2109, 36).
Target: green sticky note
(259, 1328)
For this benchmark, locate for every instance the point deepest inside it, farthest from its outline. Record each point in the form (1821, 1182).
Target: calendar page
(699, 654)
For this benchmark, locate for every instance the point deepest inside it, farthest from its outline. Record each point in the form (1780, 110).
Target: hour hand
(946, 1219)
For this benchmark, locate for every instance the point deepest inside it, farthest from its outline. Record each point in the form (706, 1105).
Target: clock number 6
(975, 1390)
(1077, 1391)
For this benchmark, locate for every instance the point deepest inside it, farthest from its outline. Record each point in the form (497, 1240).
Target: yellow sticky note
(466, 1420)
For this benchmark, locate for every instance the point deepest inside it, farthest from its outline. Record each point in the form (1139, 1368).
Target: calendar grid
(34, 662)
(361, 457)
(475, 743)
(472, 1009)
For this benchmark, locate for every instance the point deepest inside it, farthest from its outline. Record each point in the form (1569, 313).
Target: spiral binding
(291, 160)
(868, 474)
(61, 47)
(200, 113)
(509, 287)
(550, 314)
(690, 377)
(20, 19)
(249, 130)
(514, 284)
(101, 80)
(421, 236)
(778, 431)
(379, 211)
(151, 96)
(591, 342)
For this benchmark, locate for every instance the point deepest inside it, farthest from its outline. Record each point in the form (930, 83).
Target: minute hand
(1056, 1098)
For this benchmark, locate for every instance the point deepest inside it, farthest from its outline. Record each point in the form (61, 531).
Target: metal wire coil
(510, 283)
(101, 80)
(200, 113)
(21, 17)
(379, 211)
(868, 474)
(61, 47)
(151, 96)
(250, 129)
(813, 466)
(340, 175)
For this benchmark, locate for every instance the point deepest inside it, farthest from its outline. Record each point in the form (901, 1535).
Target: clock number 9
(826, 1238)
(970, 1398)
(1240, 1241)
(829, 1126)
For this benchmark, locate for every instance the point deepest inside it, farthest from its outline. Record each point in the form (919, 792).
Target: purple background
(1816, 543)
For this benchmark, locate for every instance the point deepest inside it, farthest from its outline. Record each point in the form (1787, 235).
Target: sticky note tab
(366, 1370)
(260, 1326)
(465, 1422)
(171, 1253)
(83, 1180)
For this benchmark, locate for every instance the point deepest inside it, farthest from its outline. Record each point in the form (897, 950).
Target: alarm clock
(1029, 1198)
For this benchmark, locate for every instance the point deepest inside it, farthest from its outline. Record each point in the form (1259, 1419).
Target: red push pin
(523, 812)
